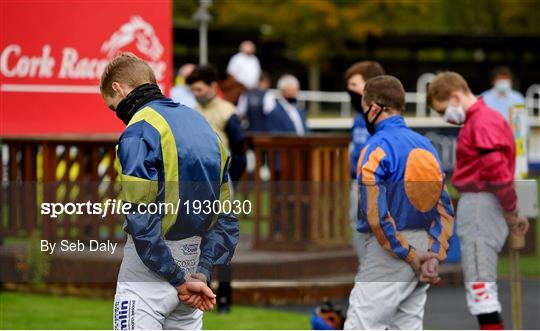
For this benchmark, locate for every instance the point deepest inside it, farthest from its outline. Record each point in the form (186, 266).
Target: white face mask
(454, 115)
(503, 86)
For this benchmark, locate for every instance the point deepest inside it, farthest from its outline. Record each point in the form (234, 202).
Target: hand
(430, 271)
(199, 276)
(207, 302)
(519, 225)
(195, 293)
(425, 267)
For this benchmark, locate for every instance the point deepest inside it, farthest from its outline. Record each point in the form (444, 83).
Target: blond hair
(128, 69)
(444, 84)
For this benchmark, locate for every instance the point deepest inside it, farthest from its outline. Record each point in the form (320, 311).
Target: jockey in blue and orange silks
(405, 216)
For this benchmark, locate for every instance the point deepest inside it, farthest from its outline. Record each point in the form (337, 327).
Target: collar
(136, 99)
(478, 105)
(394, 121)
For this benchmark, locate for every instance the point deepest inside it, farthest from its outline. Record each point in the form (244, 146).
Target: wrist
(178, 277)
(513, 212)
(205, 268)
(510, 216)
(410, 255)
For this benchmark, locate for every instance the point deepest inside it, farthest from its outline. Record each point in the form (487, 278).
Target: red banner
(52, 54)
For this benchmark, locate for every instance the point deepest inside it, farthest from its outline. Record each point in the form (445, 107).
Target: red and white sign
(52, 54)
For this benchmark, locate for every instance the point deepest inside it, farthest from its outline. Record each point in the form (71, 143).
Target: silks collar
(391, 122)
(137, 98)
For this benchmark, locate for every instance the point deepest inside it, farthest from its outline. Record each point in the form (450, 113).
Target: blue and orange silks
(170, 152)
(401, 181)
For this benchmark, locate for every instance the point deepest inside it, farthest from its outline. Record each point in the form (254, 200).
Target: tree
(316, 31)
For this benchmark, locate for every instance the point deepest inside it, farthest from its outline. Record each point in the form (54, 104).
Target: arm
(138, 156)
(219, 242)
(359, 138)
(497, 173)
(241, 106)
(269, 102)
(442, 227)
(493, 141)
(353, 160)
(234, 133)
(373, 199)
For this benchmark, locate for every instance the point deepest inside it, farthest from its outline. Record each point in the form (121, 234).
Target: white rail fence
(418, 98)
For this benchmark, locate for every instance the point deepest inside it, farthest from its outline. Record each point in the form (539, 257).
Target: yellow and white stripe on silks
(170, 160)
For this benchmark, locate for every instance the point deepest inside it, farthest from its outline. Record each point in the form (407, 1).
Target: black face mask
(356, 100)
(370, 126)
(137, 98)
(292, 101)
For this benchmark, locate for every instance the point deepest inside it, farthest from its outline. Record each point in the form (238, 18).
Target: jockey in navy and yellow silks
(173, 170)
(169, 152)
(401, 182)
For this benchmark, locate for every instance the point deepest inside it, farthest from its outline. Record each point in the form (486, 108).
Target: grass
(529, 266)
(31, 311)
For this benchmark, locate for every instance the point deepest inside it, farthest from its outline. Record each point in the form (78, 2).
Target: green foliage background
(318, 30)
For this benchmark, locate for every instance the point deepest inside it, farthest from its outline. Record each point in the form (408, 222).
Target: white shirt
(245, 68)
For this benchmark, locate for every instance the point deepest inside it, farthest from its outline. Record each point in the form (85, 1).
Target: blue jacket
(278, 120)
(360, 135)
(401, 181)
(168, 153)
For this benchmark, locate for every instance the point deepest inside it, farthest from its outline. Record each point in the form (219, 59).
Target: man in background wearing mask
(221, 114)
(286, 116)
(356, 77)
(501, 97)
(483, 174)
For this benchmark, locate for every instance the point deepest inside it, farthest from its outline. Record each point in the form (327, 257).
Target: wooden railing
(67, 168)
(300, 201)
(300, 191)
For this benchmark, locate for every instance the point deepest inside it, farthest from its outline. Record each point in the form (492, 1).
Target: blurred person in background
(168, 258)
(244, 66)
(221, 114)
(252, 104)
(484, 176)
(501, 97)
(181, 92)
(356, 77)
(286, 116)
(405, 216)
(244, 70)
